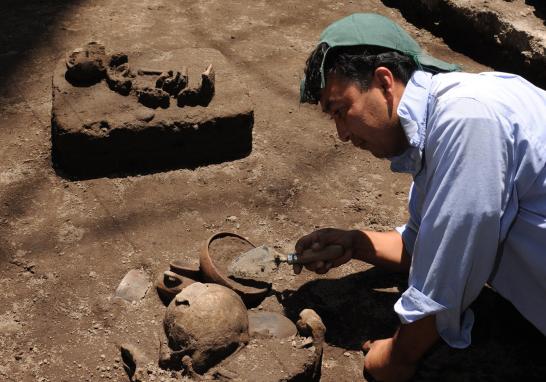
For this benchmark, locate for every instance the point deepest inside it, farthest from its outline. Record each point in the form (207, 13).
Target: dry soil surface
(65, 245)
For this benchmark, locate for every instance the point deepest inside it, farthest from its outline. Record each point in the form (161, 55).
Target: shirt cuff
(414, 305)
(455, 330)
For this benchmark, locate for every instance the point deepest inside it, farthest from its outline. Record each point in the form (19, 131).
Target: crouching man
(475, 145)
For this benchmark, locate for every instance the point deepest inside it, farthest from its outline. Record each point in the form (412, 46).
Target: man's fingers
(317, 267)
(300, 244)
(317, 241)
(316, 246)
(314, 265)
(366, 346)
(322, 270)
(321, 267)
(347, 255)
(305, 242)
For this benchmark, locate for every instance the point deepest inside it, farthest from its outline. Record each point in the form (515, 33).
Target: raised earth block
(97, 131)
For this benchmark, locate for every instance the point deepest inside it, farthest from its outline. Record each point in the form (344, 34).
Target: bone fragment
(311, 324)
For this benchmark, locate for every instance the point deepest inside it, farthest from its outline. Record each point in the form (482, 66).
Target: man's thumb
(366, 346)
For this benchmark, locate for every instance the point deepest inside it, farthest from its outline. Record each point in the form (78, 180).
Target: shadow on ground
(24, 25)
(354, 308)
(358, 307)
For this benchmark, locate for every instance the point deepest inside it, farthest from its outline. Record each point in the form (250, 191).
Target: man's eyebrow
(330, 103)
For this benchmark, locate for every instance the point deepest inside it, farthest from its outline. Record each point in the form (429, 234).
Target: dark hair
(356, 63)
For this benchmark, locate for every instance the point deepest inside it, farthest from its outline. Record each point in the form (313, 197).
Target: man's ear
(384, 79)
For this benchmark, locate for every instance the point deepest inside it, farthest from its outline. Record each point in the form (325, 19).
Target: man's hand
(383, 249)
(381, 364)
(396, 358)
(323, 238)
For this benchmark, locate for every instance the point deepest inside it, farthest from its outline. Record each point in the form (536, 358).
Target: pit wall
(509, 36)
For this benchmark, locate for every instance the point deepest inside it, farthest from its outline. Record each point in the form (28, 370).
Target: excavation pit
(217, 329)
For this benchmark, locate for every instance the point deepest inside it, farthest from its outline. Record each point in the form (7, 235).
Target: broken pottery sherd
(252, 296)
(185, 269)
(169, 284)
(133, 286)
(270, 324)
(206, 322)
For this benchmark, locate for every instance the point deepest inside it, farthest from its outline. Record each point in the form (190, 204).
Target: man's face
(367, 118)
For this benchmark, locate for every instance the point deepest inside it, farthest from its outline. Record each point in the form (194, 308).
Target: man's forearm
(383, 249)
(396, 358)
(412, 341)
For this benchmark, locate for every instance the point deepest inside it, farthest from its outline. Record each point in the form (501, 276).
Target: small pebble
(144, 115)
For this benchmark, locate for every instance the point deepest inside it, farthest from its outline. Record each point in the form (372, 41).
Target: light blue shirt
(478, 200)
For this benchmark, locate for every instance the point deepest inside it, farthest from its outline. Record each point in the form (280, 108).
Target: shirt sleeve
(409, 230)
(464, 195)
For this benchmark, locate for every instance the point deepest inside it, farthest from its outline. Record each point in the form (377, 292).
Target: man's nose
(343, 134)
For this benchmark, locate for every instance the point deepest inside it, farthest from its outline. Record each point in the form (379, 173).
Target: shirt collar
(412, 111)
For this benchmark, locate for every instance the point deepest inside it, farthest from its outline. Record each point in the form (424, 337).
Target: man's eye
(339, 113)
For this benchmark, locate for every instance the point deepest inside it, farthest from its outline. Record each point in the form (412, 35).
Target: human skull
(207, 322)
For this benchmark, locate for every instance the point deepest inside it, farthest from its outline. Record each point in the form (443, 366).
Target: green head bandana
(379, 31)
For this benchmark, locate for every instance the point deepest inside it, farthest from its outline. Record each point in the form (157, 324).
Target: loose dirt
(65, 245)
